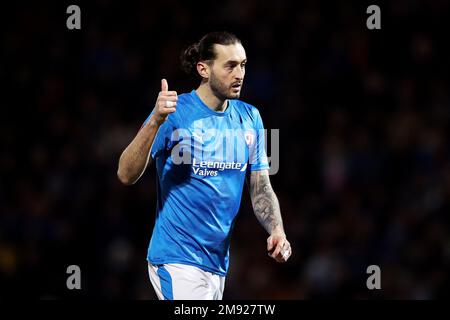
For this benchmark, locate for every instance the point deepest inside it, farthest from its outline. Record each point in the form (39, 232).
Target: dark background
(363, 116)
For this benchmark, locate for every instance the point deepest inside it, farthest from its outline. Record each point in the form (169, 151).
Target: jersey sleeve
(162, 139)
(258, 157)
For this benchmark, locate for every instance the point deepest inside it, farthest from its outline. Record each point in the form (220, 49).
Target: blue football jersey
(202, 157)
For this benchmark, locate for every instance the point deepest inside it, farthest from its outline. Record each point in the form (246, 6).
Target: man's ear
(203, 69)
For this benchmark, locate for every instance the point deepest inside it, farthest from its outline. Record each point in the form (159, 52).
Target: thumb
(270, 243)
(164, 85)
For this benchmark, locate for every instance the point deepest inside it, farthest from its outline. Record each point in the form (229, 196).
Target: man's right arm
(136, 156)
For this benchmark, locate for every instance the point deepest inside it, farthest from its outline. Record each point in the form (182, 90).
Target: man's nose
(239, 74)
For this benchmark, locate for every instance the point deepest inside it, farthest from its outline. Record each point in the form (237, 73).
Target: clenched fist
(278, 247)
(165, 104)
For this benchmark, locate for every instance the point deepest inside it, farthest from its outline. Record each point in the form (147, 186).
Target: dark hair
(204, 50)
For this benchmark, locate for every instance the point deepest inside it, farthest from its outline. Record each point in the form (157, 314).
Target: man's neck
(209, 98)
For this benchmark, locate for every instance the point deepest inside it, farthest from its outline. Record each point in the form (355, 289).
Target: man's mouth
(236, 85)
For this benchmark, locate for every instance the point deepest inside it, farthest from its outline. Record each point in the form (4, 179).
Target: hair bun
(203, 50)
(190, 57)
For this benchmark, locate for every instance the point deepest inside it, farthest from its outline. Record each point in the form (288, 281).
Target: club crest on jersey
(249, 138)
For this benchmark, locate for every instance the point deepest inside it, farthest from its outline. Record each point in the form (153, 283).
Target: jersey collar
(207, 109)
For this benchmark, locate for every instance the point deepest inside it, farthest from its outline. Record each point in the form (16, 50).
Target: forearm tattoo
(265, 202)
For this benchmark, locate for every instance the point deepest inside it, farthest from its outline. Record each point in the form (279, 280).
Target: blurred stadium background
(364, 128)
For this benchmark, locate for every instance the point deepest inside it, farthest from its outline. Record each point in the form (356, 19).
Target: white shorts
(185, 282)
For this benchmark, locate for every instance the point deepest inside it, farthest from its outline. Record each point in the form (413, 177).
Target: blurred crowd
(363, 115)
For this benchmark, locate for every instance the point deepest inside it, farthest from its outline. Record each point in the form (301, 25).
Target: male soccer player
(204, 144)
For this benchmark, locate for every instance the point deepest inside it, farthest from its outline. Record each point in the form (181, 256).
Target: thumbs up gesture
(166, 103)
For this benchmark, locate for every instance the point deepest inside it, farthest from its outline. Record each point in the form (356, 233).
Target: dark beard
(219, 90)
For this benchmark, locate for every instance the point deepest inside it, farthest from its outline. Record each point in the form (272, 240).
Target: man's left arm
(267, 211)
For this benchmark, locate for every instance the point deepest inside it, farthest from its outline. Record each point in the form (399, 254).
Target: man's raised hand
(166, 103)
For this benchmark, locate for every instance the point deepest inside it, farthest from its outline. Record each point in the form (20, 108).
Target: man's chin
(234, 95)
